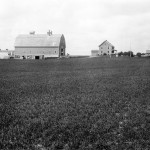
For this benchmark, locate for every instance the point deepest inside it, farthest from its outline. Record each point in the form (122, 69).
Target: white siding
(105, 48)
(21, 51)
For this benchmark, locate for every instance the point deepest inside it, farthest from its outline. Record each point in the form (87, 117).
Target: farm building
(40, 46)
(105, 48)
(6, 54)
(148, 52)
(94, 52)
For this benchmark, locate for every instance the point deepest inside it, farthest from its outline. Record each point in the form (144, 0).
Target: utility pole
(130, 48)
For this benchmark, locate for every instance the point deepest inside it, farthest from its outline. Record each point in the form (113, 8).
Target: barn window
(55, 52)
(101, 47)
(108, 47)
(108, 51)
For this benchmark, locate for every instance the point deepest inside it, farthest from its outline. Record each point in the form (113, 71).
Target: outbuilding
(40, 46)
(6, 54)
(94, 53)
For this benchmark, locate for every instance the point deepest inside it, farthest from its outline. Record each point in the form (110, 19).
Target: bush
(138, 54)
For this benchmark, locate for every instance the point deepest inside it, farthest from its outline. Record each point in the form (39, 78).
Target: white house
(106, 48)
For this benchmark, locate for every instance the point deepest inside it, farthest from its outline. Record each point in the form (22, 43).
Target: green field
(75, 104)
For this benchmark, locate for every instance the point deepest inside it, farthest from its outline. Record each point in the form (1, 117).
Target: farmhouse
(106, 48)
(40, 46)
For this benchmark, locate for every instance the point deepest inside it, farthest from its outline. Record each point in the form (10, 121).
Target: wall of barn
(27, 52)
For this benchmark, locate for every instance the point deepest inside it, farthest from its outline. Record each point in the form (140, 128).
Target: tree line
(130, 54)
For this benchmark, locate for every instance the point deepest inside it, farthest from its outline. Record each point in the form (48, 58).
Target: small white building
(6, 54)
(147, 54)
(94, 53)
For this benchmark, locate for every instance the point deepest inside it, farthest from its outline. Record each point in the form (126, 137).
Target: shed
(147, 51)
(4, 55)
(94, 53)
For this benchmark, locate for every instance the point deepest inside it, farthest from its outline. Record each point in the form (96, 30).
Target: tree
(139, 54)
(129, 53)
(120, 53)
(125, 54)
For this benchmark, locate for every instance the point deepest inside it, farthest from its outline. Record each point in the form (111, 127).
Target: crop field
(75, 104)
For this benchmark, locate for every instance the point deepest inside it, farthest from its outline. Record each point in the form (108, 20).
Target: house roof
(38, 40)
(107, 43)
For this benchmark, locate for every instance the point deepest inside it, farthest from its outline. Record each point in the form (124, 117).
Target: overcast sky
(84, 23)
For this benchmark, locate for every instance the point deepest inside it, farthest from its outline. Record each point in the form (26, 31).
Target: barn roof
(38, 40)
(107, 43)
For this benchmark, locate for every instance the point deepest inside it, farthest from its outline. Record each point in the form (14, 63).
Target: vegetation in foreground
(75, 104)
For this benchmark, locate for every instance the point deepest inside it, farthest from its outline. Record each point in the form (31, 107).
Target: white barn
(40, 46)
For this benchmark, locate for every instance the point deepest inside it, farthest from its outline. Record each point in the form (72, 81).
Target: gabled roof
(38, 40)
(107, 43)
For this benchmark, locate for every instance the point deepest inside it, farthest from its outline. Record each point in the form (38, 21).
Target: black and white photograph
(74, 74)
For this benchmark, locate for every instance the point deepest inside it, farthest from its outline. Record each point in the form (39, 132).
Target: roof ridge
(104, 42)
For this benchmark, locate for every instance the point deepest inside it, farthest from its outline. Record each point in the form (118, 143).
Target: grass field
(78, 103)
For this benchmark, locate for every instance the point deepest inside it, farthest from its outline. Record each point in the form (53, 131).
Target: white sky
(84, 23)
